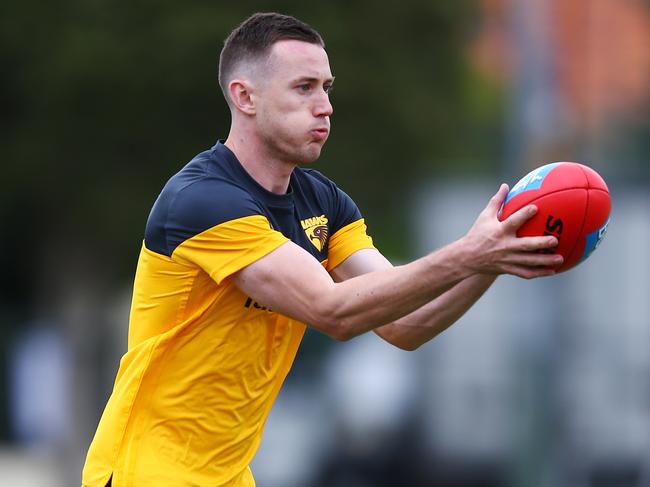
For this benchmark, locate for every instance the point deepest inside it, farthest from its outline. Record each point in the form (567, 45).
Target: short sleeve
(210, 223)
(346, 241)
(230, 246)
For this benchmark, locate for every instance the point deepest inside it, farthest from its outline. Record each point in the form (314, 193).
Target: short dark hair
(254, 37)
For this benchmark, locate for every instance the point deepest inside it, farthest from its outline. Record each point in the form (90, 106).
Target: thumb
(497, 200)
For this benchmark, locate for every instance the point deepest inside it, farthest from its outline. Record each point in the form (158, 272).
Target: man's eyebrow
(312, 79)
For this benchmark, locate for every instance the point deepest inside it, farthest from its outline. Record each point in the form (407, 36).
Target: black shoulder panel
(191, 202)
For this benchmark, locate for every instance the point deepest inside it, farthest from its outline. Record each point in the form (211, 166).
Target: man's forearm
(370, 300)
(422, 325)
(356, 305)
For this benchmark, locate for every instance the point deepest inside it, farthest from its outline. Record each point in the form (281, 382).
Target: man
(242, 248)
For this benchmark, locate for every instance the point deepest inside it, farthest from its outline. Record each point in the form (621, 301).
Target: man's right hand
(492, 246)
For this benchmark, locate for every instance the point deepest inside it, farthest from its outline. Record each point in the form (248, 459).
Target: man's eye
(328, 88)
(305, 87)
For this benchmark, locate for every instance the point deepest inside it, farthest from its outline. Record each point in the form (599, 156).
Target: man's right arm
(290, 281)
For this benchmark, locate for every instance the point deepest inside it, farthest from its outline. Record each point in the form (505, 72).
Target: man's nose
(323, 107)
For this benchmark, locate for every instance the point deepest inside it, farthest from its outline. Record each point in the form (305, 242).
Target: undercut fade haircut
(253, 38)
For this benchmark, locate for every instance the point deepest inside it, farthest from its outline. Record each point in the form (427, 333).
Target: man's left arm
(422, 325)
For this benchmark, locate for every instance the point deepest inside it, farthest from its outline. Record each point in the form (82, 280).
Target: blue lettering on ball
(532, 180)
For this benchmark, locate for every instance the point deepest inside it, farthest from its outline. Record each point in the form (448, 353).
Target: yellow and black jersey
(204, 361)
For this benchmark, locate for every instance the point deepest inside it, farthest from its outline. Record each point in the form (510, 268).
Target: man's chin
(311, 154)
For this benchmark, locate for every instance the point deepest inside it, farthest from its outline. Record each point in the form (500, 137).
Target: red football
(573, 204)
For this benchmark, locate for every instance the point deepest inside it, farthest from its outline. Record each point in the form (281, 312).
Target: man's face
(293, 107)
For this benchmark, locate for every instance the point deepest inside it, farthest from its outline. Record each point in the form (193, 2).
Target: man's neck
(270, 173)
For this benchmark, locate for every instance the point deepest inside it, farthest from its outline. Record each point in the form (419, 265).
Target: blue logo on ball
(532, 180)
(593, 239)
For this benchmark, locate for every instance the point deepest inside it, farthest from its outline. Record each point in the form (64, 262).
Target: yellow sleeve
(230, 246)
(346, 241)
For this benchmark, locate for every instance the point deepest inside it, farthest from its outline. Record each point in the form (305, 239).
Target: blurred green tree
(104, 100)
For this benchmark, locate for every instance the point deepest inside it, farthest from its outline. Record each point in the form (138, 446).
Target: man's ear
(241, 96)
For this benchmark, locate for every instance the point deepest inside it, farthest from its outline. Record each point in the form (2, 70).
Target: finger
(497, 200)
(519, 217)
(532, 244)
(534, 259)
(526, 272)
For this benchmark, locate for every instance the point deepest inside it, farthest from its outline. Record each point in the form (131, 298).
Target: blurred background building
(543, 383)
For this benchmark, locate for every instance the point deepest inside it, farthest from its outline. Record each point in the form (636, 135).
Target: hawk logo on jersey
(316, 230)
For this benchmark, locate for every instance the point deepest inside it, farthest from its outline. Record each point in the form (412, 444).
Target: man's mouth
(320, 133)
